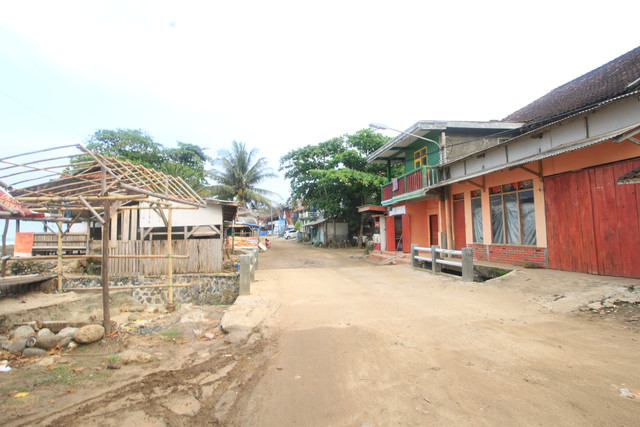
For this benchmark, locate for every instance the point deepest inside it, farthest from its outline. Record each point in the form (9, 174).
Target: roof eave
(429, 125)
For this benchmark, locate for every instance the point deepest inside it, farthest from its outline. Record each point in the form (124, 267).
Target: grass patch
(170, 334)
(61, 374)
(81, 349)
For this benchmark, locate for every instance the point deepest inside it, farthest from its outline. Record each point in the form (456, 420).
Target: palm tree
(237, 172)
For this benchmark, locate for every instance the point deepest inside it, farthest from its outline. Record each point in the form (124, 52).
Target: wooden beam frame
(537, 173)
(480, 186)
(95, 214)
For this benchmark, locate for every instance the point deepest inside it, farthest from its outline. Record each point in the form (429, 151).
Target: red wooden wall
(433, 229)
(459, 231)
(593, 224)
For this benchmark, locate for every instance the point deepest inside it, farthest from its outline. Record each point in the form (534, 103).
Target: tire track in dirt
(202, 394)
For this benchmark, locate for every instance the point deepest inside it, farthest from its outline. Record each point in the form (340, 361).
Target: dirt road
(347, 342)
(367, 345)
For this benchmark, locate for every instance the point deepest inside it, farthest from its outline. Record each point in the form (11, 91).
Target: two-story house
(416, 212)
(547, 191)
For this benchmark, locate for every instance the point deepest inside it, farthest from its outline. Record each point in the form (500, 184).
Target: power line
(41, 114)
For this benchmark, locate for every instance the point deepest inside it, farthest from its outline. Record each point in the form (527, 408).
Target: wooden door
(433, 229)
(406, 233)
(390, 230)
(459, 232)
(593, 224)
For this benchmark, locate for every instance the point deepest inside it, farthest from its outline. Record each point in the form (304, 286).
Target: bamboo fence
(202, 256)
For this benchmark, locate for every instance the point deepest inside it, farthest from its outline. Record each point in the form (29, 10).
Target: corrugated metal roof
(309, 224)
(423, 127)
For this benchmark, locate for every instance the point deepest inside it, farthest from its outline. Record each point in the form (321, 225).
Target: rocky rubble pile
(613, 302)
(26, 341)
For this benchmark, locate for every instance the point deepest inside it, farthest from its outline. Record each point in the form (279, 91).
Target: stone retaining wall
(205, 289)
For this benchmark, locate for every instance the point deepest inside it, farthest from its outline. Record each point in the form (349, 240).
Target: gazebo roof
(74, 178)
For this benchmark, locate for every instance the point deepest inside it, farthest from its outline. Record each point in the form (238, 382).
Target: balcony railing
(417, 179)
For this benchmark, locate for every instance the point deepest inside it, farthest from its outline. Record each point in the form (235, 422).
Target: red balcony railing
(415, 180)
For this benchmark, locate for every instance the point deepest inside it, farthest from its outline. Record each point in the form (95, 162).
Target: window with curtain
(476, 216)
(513, 214)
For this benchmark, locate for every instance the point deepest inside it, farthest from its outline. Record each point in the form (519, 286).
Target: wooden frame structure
(71, 183)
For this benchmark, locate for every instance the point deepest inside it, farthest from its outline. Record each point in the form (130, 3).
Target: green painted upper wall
(433, 152)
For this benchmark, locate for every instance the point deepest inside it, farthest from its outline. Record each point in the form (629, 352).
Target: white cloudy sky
(283, 74)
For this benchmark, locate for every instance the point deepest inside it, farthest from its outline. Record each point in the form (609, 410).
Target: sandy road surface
(366, 345)
(342, 341)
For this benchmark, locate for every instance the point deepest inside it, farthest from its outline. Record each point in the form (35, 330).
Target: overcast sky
(281, 75)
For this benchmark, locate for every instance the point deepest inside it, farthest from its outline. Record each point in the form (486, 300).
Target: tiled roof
(610, 80)
(11, 207)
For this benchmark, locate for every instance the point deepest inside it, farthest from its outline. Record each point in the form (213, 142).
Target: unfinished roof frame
(76, 183)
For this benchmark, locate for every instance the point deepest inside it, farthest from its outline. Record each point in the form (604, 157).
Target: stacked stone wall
(204, 289)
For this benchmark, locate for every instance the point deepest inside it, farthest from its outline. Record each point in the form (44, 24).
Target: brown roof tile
(610, 80)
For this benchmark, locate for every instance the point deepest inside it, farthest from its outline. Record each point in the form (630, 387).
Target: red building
(540, 186)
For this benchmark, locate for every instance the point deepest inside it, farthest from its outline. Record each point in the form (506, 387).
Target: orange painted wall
(419, 213)
(606, 152)
(603, 153)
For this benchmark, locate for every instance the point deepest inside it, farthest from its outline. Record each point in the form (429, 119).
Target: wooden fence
(48, 243)
(204, 256)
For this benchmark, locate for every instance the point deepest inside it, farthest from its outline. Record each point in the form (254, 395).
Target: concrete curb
(246, 314)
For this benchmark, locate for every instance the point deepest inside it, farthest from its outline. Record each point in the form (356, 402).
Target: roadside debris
(624, 392)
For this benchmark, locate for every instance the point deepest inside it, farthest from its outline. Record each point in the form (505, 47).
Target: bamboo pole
(170, 253)
(40, 151)
(59, 256)
(88, 250)
(42, 199)
(43, 257)
(161, 196)
(117, 288)
(4, 237)
(48, 160)
(161, 205)
(105, 267)
(90, 208)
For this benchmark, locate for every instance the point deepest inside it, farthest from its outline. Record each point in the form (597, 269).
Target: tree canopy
(334, 176)
(187, 161)
(237, 173)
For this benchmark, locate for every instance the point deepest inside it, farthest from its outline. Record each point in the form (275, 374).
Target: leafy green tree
(190, 155)
(238, 172)
(187, 161)
(133, 145)
(334, 176)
